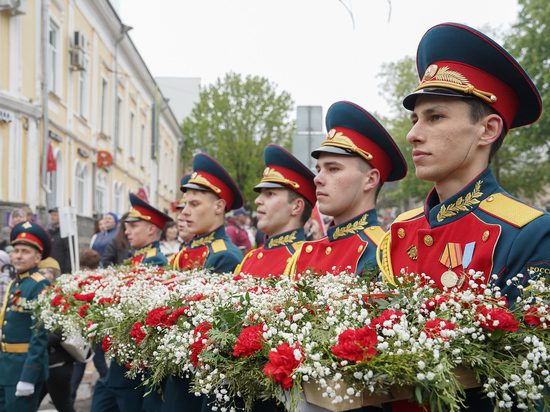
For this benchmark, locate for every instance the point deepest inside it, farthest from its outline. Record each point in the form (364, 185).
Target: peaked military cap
(184, 180)
(457, 60)
(354, 131)
(284, 170)
(32, 234)
(209, 175)
(141, 210)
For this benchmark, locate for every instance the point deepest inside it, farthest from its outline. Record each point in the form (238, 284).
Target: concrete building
(82, 120)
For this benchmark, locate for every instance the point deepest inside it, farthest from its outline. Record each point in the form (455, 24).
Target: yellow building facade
(74, 89)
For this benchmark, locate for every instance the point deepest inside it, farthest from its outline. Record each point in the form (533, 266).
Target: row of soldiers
(471, 93)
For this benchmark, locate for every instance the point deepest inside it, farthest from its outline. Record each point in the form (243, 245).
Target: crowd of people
(471, 93)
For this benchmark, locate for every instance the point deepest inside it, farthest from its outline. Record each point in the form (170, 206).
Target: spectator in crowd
(89, 260)
(17, 216)
(107, 231)
(60, 246)
(59, 360)
(118, 250)
(6, 273)
(312, 229)
(169, 242)
(236, 230)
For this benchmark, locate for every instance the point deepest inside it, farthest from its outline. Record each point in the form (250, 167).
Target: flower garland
(348, 339)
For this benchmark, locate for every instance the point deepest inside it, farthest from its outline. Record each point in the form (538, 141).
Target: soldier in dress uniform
(183, 231)
(208, 194)
(470, 94)
(23, 347)
(354, 161)
(115, 392)
(286, 198)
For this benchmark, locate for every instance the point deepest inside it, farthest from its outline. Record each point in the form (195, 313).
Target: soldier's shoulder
(409, 214)
(511, 210)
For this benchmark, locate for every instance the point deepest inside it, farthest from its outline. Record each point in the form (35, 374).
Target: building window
(143, 146)
(118, 197)
(83, 92)
(103, 108)
(81, 189)
(118, 128)
(53, 56)
(101, 192)
(131, 143)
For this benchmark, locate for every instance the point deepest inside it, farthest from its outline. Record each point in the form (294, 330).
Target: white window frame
(118, 125)
(103, 102)
(131, 142)
(142, 156)
(118, 198)
(100, 194)
(83, 91)
(81, 189)
(54, 57)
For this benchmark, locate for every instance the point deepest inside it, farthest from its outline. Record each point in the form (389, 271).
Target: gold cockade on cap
(136, 214)
(435, 76)
(338, 139)
(272, 176)
(203, 181)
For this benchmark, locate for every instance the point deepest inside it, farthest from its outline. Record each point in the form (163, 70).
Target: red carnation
(356, 345)
(196, 298)
(137, 333)
(84, 297)
(103, 301)
(175, 315)
(497, 319)
(106, 343)
(83, 309)
(434, 302)
(393, 316)
(249, 341)
(533, 316)
(433, 328)
(196, 347)
(57, 300)
(157, 316)
(282, 363)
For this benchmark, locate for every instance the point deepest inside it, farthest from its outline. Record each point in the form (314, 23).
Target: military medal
(449, 279)
(466, 260)
(451, 258)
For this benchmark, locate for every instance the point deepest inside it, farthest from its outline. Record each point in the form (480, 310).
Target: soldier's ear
(372, 180)
(491, 129)
(219, 207)
(297, 207)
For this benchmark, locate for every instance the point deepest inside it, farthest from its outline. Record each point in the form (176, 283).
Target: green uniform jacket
(20, 327)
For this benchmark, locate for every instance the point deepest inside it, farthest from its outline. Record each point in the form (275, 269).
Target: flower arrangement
(346, 340)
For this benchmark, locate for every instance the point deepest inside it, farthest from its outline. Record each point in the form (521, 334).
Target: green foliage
(522, 163)
(233, 121)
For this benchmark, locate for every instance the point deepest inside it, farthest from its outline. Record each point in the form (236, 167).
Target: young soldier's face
(445, 141)
(339, 185)
(273, 210)
(24, 258)
(203, 212)
(139, 233)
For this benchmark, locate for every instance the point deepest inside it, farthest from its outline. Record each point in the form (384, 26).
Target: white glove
(24, 389)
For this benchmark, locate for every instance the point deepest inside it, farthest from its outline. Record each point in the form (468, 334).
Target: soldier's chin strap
(383, 258)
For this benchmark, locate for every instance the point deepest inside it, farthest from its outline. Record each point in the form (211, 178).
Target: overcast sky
(310, 48)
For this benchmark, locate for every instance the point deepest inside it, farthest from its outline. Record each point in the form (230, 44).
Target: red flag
(142, 194)
(51, 166)
(316, 215)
